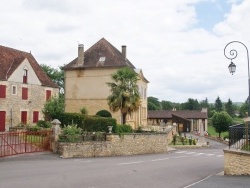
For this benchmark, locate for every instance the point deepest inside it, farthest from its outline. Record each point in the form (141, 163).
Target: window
(24, 117)
(25, 76)
(48, 95)
(35, 116)
(14, 90)
(24, 93)
(2, 91)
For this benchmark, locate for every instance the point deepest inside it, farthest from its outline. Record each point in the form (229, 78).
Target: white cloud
(179, 59)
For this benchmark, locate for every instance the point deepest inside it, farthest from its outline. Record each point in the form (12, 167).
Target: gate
(13, 143)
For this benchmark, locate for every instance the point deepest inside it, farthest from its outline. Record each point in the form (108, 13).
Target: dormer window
(25, 76)
(102, 59)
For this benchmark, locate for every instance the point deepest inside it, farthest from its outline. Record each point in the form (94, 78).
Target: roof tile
(11, 58)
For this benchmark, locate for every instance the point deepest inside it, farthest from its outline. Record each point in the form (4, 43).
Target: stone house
(86, 79)
(186, 120)
(24, 88)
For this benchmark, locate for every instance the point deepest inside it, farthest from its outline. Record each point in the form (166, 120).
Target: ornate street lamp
(232, 68)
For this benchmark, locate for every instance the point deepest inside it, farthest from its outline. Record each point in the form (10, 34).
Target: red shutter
(25, 79)
(2, 91)
(25, 76)
(2, 120)
(48, 95)
(25, 93)
(24, 117)
(35, 116)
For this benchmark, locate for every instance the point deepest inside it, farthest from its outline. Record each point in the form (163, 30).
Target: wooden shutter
(35, 116)
(25, 93)
(24, 117)
(2, 120)
(48, 95)
(2, 91)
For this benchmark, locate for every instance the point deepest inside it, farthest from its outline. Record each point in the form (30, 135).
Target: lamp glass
(232, 68)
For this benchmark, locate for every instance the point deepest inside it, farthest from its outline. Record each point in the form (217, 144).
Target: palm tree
(124, 92)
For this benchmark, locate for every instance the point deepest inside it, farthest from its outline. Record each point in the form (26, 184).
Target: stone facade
(13, 104)
(115, 145)
(86, 80)
(24, 88)
(236, 162)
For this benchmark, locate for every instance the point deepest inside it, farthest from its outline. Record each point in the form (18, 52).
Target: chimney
(80, 59)
(124, 51)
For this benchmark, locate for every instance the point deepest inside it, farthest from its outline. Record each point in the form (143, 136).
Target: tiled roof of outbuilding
(187, 114)
(11, 58)
(113, 57)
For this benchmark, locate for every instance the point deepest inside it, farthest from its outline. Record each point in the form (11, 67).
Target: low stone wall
(236, 162)
(128, 144)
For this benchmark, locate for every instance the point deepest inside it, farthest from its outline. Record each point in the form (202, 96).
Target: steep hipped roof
(187, 114)
(113, 57)
(11, 58)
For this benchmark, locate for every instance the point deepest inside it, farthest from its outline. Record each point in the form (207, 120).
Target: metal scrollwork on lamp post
(232, 68)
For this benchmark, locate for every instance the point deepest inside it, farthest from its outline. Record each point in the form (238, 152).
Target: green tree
(204, 104)
(56, 75)
(154, 103)
(229, 107)
(244, 109)
(53, 108)
(218, 105)
(124, 92)
(167, 105)
(191, 104)
(221, 121)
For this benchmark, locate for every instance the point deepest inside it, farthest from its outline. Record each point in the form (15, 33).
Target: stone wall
(115, 145)
(236, 162)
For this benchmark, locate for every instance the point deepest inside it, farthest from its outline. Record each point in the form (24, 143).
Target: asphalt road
(180, 168)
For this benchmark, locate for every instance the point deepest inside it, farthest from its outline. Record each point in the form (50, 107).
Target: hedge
(71, 119)
(98, 124)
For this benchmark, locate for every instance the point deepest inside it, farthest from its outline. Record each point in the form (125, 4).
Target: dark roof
(11, 58)
(187, 114)
(113, 57)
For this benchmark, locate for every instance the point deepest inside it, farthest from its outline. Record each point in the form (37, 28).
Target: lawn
(211, 132)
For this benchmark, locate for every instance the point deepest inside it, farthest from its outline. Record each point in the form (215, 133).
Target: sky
(178, 44)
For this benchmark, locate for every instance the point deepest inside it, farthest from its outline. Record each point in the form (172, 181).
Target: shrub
(190, 141)
(194, 141)
(104, 113)
(123, 129)
(33, 128)
(98, 124)
(183, 140)
(70, 133)
(71, 118)
(139, 130)
(84, 111)
(43, 124)
(174, 139)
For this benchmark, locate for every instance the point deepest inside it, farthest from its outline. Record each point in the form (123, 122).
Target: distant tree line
(233, 109)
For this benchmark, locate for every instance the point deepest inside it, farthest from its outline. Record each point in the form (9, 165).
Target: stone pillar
(56, 132)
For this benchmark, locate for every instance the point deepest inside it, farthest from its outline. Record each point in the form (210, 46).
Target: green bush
(43, 124)
(104, 113)
(33, 128)
(70, 133)
(84, 111)
(123, 129)
(174, 139)
(139, 130)
(98, 124)
(190, 141)
(71, 118)
(194, 141)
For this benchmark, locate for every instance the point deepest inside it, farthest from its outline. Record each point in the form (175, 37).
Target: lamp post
(232, 68)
